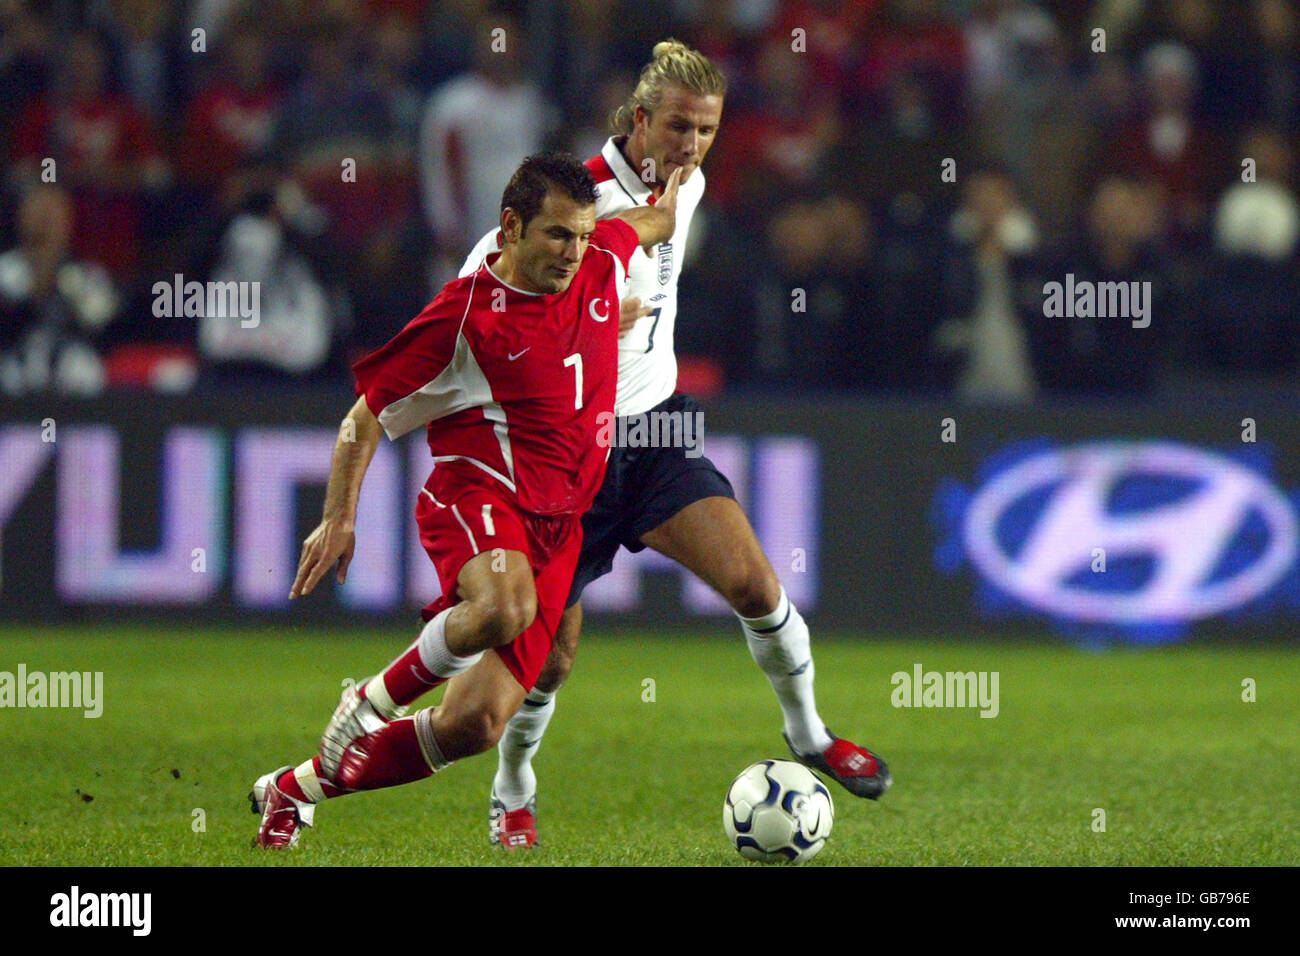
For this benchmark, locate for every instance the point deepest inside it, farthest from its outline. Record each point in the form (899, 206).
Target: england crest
(665, 262)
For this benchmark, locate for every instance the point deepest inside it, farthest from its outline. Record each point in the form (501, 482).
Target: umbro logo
(855, 761)
(801, 668)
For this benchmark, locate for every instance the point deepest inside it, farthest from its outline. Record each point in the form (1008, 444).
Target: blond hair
(672, 62)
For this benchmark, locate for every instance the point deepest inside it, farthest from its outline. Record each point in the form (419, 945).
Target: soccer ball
(778, 811)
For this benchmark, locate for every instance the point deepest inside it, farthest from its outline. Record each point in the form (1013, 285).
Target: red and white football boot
(282, 815)
(513, 829)
(855, 768)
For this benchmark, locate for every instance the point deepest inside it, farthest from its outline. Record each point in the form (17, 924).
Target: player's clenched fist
(331, 541)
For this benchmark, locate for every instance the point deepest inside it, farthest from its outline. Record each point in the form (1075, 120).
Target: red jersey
(225, 128)
(101, 134)
(510, 381)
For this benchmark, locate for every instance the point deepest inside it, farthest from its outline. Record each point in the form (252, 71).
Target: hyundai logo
(1182, 534)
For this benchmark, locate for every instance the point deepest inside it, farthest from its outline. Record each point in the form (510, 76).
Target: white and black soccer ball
(778, 811)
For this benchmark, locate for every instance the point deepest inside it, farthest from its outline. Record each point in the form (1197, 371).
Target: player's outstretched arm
(656, 224)
(334, 538)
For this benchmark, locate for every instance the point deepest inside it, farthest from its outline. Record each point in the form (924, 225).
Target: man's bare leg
(373, 750)
(498, 602)
(713, 539)
(470, 719)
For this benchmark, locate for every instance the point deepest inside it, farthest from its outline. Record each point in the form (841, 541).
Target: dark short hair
(539, 174)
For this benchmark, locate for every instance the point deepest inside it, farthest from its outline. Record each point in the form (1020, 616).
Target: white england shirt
(647, 366)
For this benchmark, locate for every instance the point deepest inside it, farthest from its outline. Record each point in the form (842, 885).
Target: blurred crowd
(894, 183)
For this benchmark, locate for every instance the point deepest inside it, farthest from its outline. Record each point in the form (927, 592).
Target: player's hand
(668, 198)
(630, 312)
(331, 541)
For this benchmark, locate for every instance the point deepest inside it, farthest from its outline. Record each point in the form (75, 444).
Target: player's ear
(512, 227)
(640, 118)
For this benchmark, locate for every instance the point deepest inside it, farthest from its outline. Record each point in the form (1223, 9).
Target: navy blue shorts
(645, 485)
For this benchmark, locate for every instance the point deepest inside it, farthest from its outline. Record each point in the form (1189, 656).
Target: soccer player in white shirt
(659, 497)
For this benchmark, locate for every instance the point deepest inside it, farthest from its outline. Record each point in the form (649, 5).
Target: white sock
(435, 659)
(780, 645)
(436, 655)
(429, 748)
(310, 783)
(311, 788)
(380, 699)
(516, 782)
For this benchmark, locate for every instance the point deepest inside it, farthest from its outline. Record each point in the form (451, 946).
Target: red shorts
(461, 518)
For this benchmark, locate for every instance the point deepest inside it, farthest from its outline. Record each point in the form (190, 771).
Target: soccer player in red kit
(664, 497)
(510, 368)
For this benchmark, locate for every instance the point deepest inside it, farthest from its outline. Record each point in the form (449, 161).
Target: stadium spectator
(1246, 299)
(102, 148)
(836, 299)
(910, 123)
(831, 35)
(883, 92)
(591, 41)
(454, 24)
(214, 17)
(27, 39)
(1272, 71)
(591, 129)
(348, 142)
(1168, 144)
(995, 237)
(476, 130)
(1212, 32)
(1031, 115)
(52, 307)
(911, 295)
(989, 50)
(1110, 97)
(227, 128)
(143, 35)
(810, 303)
(780, 142)
(296, 315)
(334, 134)
(393, 50)
(728, 34)
(1104, 353)
(387, 280)
(913, 36)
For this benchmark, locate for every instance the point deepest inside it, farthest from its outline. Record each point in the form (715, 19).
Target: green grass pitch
(1161, 740)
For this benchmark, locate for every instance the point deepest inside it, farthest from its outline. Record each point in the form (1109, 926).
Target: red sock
(392, 756)
(407, 679)
(288, 784)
